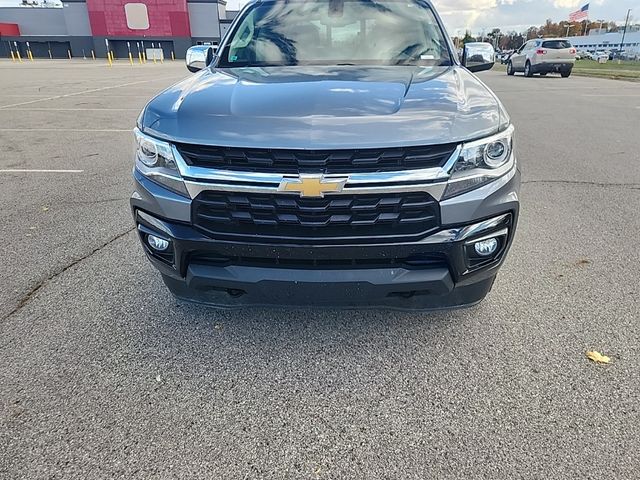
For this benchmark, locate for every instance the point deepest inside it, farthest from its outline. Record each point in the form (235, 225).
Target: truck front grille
(316, 161)
(345, 218)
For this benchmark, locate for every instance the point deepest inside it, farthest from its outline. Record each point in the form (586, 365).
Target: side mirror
(478, 56)
(198, 57)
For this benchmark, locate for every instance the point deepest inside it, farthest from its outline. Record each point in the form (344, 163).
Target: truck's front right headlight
(481, 162)
(155, 160)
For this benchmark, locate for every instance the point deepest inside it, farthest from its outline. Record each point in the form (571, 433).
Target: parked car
(504, 57)
(366, 167)
(598, 54)
(616, 53)
(543, 56)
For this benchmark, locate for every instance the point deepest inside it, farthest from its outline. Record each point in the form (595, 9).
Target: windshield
(336, 32)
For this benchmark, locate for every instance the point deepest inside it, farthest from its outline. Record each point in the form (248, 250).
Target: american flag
(579, 15)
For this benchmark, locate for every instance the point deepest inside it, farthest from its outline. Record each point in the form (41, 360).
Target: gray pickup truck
(329, 153)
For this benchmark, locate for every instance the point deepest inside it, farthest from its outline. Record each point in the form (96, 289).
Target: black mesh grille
(265, 217)
(325, 161)
(421, 261)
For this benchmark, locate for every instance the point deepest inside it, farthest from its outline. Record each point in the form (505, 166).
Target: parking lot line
(108, 130)
(632, 95)
(66, 95)
(24, 170)
(40, 109)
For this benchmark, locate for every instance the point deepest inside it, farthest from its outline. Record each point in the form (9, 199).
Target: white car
(543, 55)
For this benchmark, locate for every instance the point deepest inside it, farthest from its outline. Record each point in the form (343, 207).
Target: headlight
(481, 162)
(154, 160)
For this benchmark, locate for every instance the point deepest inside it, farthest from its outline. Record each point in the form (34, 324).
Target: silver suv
(333, 153)
(543, 55)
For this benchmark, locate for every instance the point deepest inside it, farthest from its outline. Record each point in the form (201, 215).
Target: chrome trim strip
(195, 188)
(470, 230)
(462, 233)
(236, 180)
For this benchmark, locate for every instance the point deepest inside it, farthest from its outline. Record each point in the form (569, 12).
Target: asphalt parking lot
(104, 375)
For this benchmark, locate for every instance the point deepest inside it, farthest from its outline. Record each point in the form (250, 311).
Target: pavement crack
(62, 270)
(630, 186)
(95, 202)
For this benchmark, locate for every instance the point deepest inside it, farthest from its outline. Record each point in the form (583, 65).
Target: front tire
(510, 70)
(527, 70)
(565, 74)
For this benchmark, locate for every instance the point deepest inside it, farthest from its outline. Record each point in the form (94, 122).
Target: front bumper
(436, 272)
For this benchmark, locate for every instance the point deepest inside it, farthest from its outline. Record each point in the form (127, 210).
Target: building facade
(608, 41)
(82, 28)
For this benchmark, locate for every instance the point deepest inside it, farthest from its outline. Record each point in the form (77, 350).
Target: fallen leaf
(45, 209)
(582, 262)
(597, 357)
(217, 326)
(158, 378)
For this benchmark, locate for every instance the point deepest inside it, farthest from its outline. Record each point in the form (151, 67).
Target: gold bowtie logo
(312, 185)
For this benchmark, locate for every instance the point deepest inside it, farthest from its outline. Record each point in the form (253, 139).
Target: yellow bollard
(173, 57)
(93, 54)
(13, 57)
(130, 58)
(19, 57)
(109, 61)
(144, 57)
(140, 58)
(69, 52)
(30, 55)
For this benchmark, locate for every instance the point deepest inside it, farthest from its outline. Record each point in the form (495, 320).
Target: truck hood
(325, 107)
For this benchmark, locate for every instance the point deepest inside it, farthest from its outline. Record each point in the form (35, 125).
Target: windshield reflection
(352, 32)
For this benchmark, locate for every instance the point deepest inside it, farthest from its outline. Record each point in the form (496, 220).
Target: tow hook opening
(235, 292)
(408, 294)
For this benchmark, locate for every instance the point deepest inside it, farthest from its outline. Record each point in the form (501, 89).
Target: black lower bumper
(366, 288)
(551, 67)
(415, 276)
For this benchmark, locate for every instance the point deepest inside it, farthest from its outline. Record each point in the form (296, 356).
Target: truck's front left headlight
(155, 160)
(481, 162)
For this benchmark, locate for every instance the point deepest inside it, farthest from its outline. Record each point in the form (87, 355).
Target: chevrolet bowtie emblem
(312, 185)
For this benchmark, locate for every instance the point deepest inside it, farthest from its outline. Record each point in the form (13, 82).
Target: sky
(507, 15)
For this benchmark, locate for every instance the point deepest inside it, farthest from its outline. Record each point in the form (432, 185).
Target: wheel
(565, 73)
(510, 70)
(527, 70)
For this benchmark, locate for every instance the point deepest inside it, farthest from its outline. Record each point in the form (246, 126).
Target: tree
(532, 32)
(495, 35)
(511, 41)
(467, 38)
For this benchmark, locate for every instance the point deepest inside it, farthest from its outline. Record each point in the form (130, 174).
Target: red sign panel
(9, 29)
(166, 18)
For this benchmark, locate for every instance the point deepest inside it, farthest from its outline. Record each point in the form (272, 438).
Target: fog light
(157, 243)
(486, 247)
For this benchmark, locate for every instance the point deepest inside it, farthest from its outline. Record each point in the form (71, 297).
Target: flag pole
(624, 33)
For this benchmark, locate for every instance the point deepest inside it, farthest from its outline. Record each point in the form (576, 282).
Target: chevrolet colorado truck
(329, 153)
